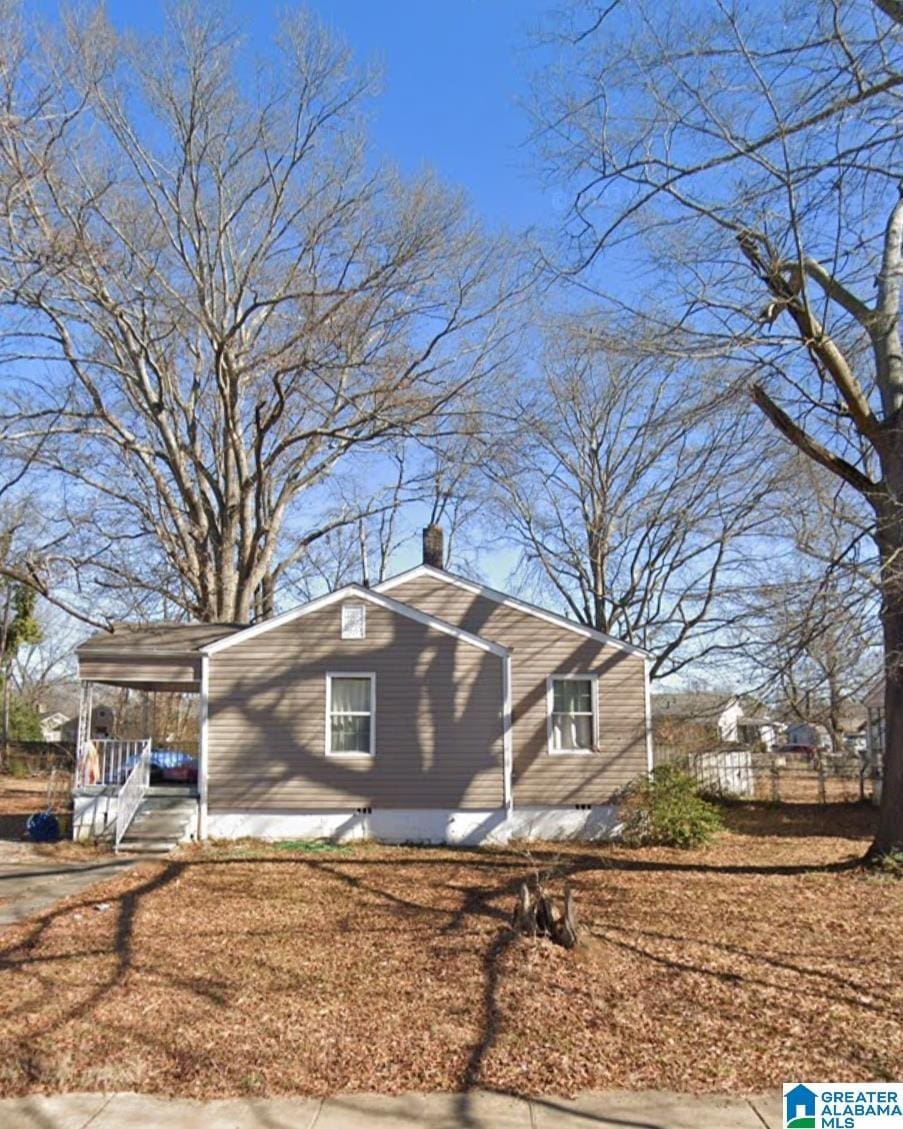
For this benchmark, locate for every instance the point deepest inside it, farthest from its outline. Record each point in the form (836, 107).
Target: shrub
(666, 809)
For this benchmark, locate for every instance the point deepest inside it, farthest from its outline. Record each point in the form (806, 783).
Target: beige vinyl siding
(169, 672)
(540, 649)
(438, 718)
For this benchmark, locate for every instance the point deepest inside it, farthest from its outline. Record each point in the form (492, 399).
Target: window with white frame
(354, 621)
(572, 714)
(350, 714)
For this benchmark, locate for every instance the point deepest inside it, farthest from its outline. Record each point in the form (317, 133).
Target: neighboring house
(875, 729)
(102, 719)
(723, 714)
(717, 711)
(429, 708)
(761, 730)
(808, 733)
(52, 726)
(60, 727)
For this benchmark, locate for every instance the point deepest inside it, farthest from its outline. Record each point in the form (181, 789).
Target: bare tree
(634, 493)
(432, 481)
(211, 301)
(812, 646)
(43, 671)
(755, 164)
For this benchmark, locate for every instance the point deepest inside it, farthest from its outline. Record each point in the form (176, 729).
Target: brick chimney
(434, 546)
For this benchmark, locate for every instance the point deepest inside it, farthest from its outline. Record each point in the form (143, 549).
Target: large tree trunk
(889, 836)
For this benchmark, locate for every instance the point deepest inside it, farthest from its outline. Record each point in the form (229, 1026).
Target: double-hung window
(572, 714)
(350, 714)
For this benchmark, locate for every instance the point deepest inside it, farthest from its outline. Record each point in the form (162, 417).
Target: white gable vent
(354, 621)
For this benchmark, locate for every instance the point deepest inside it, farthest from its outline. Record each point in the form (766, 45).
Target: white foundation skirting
(92, 813)
(420, 825)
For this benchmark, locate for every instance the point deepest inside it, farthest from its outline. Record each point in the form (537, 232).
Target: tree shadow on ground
(483, 885)
(787, 820)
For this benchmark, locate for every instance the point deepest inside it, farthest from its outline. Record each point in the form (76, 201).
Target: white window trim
(330, 674)
(357, 606)
(550, 702)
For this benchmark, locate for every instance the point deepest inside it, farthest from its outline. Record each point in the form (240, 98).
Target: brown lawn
(243, 970)
(20, 798)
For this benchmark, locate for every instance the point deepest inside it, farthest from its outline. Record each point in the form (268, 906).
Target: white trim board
(510, 602)
(650, 758)
(358, 591)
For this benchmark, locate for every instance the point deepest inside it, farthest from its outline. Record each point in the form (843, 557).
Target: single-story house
(808, 733)
(61, 727)
(875, 732)
(707, 717)
(52, 726)
(427, 708)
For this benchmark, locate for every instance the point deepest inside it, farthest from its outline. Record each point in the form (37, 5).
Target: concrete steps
(165, 819)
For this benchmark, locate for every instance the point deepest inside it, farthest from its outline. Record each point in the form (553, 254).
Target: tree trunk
(5, 758)
(537, 914)
(889, 836)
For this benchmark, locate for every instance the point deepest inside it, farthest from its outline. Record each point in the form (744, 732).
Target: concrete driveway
(31, 882)
(651, 1110)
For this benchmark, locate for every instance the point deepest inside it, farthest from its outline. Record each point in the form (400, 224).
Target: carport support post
(202, 747)
(83, 735)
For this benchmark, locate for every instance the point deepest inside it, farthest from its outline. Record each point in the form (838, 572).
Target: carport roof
(161, 638)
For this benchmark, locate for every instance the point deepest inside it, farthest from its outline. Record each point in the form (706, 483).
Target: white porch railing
(132, 792)
(107, 761)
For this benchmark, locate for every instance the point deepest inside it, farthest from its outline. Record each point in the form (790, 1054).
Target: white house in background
(52, 726)
(728, 720)
(726, 712)
(700, 707)
(874, 728)
(760, 728)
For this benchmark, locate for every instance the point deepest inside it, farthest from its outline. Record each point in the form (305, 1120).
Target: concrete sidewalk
(476, 1110)
(31, 884)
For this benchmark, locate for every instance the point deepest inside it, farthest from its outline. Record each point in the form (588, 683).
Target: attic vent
(583, 807)
(363, 811)
(354, 621)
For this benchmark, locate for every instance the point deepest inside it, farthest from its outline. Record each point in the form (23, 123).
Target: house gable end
(427, 572)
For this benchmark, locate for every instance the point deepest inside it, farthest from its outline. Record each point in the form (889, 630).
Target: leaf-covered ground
(240, 969)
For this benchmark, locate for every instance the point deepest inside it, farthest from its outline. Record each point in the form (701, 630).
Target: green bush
(666, 809)
(24, 721)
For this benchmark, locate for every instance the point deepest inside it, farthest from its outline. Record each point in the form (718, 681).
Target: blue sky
(453, 73)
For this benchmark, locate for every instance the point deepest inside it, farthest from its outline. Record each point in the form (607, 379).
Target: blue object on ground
(43, 827)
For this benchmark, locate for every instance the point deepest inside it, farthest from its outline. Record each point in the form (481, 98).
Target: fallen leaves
(240, 969)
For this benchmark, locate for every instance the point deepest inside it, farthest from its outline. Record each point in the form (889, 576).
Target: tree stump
(538, 914)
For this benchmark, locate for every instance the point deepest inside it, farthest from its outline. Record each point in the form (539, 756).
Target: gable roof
(692, 705)
(358, 591)
(510, 602)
